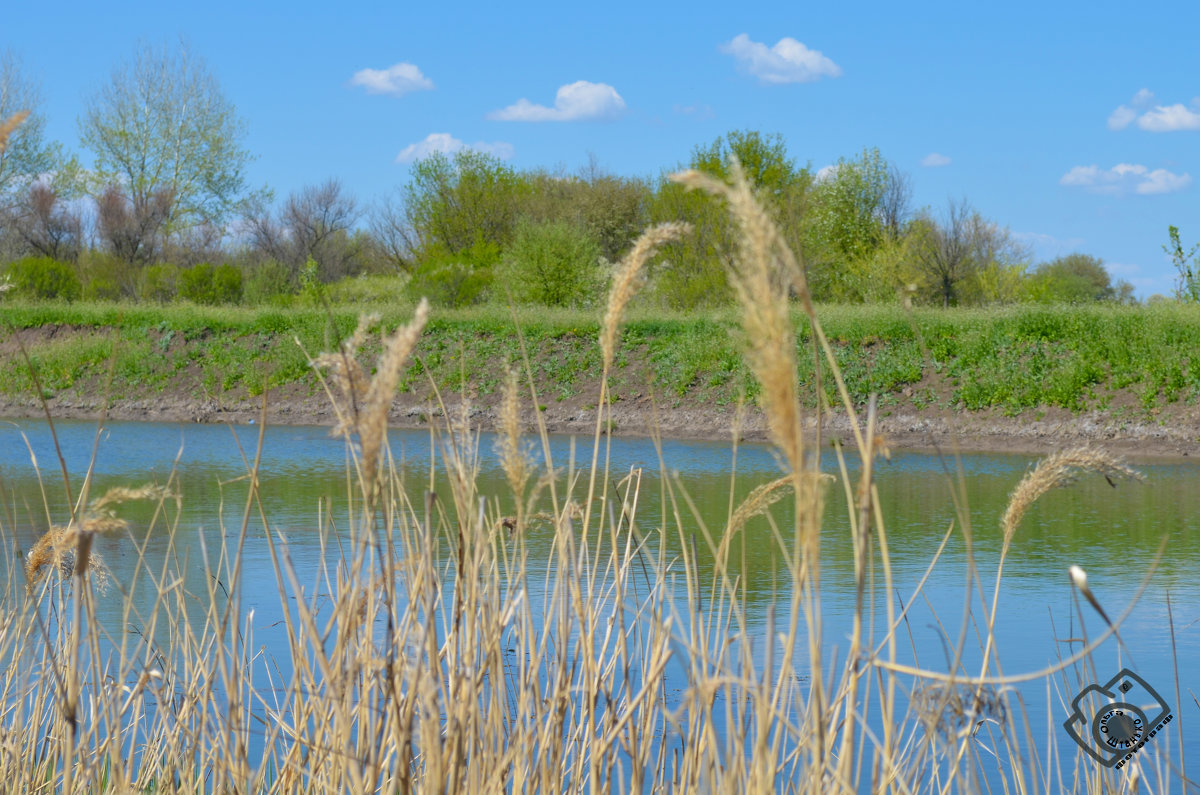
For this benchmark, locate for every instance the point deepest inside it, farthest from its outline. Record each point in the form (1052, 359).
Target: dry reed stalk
(62, 547)
(760, 280)
(366, 403)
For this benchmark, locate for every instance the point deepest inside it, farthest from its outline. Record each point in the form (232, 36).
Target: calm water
(1114, 534)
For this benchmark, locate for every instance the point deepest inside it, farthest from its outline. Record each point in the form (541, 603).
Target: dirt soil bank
(1173, 433)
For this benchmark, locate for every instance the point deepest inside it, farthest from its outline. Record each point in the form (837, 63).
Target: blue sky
(1077, 125)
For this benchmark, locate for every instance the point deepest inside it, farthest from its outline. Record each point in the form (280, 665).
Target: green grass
(1010, 359)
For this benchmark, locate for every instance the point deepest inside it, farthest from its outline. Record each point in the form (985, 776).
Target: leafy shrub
(43, 277)
(227, 284)
(102, 287)
(553, 263)
(270, 282)
(205, 284)
(160, 283)
(450, 283)
(108, 278)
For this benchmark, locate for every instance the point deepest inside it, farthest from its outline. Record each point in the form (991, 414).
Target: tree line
(165, 211)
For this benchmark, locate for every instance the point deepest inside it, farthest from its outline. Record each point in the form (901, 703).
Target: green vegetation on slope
(1011, 358)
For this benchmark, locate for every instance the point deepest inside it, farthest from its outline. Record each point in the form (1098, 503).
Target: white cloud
(825, 172)
(1125, 178)
(1124, 115)
(447, 144)
(1171, 118)
(578, 101)
(934, 160)
(788, 61)
(1121, 118)
(1155, 118)
(396, 80)
(1162, 181)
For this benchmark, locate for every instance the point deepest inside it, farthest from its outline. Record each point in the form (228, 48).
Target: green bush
(450, 284)
(227, 284)
(102, 288)
(160, 283)
(43, 277)
(204, 284)
(553, 263)
(270, 282)
(108, 278)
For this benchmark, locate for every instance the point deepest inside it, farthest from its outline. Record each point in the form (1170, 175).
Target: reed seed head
(628, 280)
(760, 278)
(9, 125)
(1058, 470)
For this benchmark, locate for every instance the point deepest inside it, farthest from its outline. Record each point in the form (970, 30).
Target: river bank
(1173, 434)
(1023, 379)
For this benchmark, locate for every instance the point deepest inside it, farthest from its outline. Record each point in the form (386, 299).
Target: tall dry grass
(436, 653)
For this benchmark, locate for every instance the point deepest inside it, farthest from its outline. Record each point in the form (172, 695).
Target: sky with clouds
(1077, 125)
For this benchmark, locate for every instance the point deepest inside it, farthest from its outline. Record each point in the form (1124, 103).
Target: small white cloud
(447, 144)
(578, 101)
(1121, 118)
(396, 80)
(788, 61)
(1124, 115)
(1125, 178)
(935, 160)
(1170, 118)
(1162, 181)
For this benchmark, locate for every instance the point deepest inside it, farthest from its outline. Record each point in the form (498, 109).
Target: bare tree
(392, 233)
(947, 249)
(318, 220)
(132, 227)
(952, 251)
(47, 225)
(895, 205)
(315, 222)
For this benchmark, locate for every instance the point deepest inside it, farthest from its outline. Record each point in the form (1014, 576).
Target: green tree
(455, 204)
(1187, 265)
(692, 272)
(857, 206)
(1073, 279)
(27, 154)
(162, 126)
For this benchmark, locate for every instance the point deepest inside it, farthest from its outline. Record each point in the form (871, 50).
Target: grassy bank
(1135, 359)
